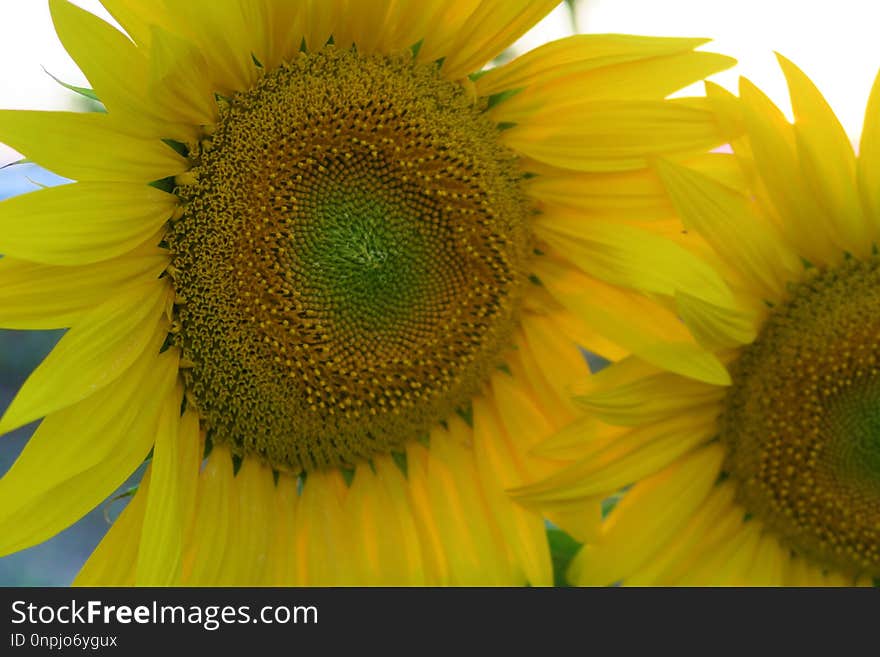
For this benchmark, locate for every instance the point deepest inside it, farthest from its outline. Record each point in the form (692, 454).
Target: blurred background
(833, 42)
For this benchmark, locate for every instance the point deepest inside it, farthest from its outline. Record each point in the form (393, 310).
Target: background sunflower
(773, 476)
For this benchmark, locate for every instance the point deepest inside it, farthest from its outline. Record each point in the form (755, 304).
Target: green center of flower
(349, 262)
(802, 420)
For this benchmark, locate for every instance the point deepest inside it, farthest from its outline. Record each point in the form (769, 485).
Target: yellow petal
(248, 549)
(226, 34)
(89, 147)
(577, 54)
(90, 356)
(869, 157)
(113, 561)
(177, 79)
(650, 79)
(714, 327)
(282, 25)
(159, 561)
(539, 302)
(365, 24)
(192, 449)
(553, 362)
(82, 223)
(613, 135)
(632, 457)
(628, 195)
(682, 550)
(660, 338)
(444, 23)
(408, 547)
(35, 296)
(433, 552)
(206, 552)
(323, 533)
(456, 505)
(115, 67)
(494, 25)
(772, 142)
(281, 567)
(631, 257)
(407, 23)
(79, 456)
(647, 517)
(500, 466)
(646, 399)
(318, 22)
(135, 17)
(726, 562)
(827, 161)
(725, 219)
(771, 560)
(383, 530)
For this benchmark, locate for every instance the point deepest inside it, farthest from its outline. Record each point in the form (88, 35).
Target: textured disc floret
(349, 261)
(802, 420)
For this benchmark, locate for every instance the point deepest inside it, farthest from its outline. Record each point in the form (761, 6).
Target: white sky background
(834, 41)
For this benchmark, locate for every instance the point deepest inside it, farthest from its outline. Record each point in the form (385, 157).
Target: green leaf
(82, 91)
(23, 160)
(121, 496)
(562, 550)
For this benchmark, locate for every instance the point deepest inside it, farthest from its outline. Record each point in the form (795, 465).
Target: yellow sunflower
(772, 477)
(329, 281)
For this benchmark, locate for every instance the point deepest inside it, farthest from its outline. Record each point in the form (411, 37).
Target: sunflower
(773, 476)
(317, 270)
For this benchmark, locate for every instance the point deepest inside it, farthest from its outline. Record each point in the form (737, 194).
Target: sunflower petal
(577, 54)
(89, 147)
(136, 17)
(323, 533)
(773, 145)
(500, 464)
(115, 67)
(647, 517)
(635, 455)
(613, 135)
(177, 79)
(647, 399)
(35, 296)
(282, 25)
(159, 561)
(650, 79)
(494, 25)
(79, 456)
(383, 528)
(248, 549)
(631, 257)
(660, 338)
(724, 218)
(82, 223)
(210, 534)
(456, 505)
(93, 354)
(114, 560)
(281, 569)
(714, 327)
(827, 160)
(869, 157)
(225, 32)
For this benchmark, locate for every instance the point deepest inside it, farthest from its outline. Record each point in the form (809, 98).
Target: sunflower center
(802, 420)
(349, 262)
